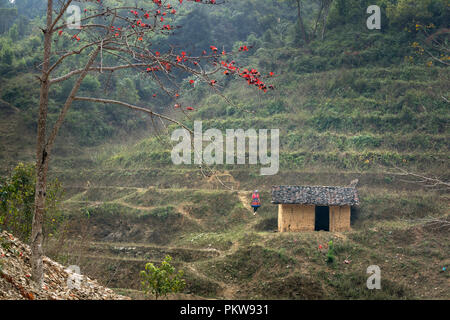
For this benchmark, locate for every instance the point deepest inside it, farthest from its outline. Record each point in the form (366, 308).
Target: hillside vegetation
(359, 104)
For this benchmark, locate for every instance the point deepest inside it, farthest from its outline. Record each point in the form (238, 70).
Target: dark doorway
(322, 218)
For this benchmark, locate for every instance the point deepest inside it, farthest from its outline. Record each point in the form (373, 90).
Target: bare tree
(438, 42)
(327, 5)
(321, 18)
(300, 21)
(422, 180)
(435, 44)
(123, 34)
(431, 183)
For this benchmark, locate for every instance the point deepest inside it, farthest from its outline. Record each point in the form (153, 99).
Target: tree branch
(75, 72)
(79, 51)
(70, 99)
(133, 107)
(59, 16)
(422, 180)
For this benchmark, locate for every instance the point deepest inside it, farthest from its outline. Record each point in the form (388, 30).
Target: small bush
(331, 258)
(17, 202)
(163, 280)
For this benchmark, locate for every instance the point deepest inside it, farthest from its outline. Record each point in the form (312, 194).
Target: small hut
(311, 208)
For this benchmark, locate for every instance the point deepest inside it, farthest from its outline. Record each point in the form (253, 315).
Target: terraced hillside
(139, 207)
(353, 104)
(226, 252)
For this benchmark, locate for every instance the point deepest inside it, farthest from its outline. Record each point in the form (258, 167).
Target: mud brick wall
(339, 218)
(296, 217)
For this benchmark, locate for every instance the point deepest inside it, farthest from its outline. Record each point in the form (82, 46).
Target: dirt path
(121, 202)
(139, 191)
(129, 205)
(228, 290)
(244, 197)
(106, 244)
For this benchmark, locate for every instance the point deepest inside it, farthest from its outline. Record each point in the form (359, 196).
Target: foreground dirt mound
(59, 283)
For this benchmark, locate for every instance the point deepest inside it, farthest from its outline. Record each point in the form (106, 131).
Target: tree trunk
(300, 22)
(322, 4)
(325, 17)
(41, 158)
(38, 218)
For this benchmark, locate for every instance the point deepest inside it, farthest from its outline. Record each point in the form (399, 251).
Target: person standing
(256, 201)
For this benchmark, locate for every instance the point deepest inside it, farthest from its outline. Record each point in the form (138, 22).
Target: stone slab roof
(321, 196)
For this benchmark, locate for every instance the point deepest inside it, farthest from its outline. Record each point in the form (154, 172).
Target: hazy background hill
(355, 104)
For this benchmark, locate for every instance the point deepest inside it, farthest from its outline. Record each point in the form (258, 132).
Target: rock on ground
(59, 282)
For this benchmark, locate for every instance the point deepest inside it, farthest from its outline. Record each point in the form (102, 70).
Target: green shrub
(17, 202)
(163, 280)
(331, 258)
(163, 212)
(366, 141)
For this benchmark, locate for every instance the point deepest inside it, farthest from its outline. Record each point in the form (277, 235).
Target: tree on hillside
(422, 180)
(114, 36)
(434, 44)
(7, 16)
(163, 280)
(321, 18)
